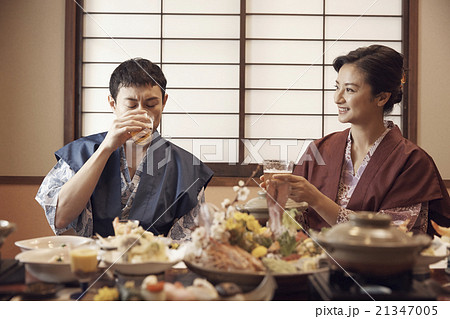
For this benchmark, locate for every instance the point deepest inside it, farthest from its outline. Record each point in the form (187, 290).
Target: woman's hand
(263, 184)
(122, 127)
(300, 189)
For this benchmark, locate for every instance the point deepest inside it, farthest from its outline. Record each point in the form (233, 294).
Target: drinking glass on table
(272, 167)
(83, 263)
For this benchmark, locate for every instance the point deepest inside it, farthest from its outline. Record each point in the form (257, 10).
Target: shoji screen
(246, 79)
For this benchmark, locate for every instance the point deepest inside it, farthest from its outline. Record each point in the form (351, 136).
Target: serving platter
(248, 281)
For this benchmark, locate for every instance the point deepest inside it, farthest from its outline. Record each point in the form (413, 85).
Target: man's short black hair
(136, 72)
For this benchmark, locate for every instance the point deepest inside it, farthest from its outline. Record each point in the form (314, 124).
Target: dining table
(21, 285)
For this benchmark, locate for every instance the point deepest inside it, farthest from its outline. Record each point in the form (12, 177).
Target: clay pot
(369, 245)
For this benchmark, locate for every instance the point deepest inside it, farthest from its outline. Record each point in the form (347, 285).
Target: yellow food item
(83, 259)
(259, 251)
(428, 252)
(107, 294)
(308, 247)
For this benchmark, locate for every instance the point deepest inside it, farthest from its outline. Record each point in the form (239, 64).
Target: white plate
(52, 242)
(113, 259)
(40, 264)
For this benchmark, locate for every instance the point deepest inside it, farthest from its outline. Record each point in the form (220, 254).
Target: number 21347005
(406, 310)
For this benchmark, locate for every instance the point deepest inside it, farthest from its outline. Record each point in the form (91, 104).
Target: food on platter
(443, 231)
(200, 290)
(158, 290)
(126, 227)
(279, 265)
(230, 257)
(136, 245)
(58, 258)
(147, 249)
(107, 294)
(235, 242)
(139, 252)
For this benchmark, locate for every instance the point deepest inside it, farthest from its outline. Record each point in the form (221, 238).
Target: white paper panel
(202, 101)
(367, 28)
(332, 124)
(296, 102)
(97, 75)
(202, 76)
(329, 106)
(284, 27)
(284, 6)
(201, 51)
(108, 50)
(372, 7)
(95, 100)
(201, 26)
(211, 150)
(258, 150)
(397, 110)
(198, 125)
(96, 122)
(333, 49)
(396, 119)
(286, 77)
(201, 6)
(121, 25)
(330, 77)
(283, 126)
(299, 52)
(122, 6)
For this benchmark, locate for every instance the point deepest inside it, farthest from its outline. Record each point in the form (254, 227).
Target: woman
(370, 166)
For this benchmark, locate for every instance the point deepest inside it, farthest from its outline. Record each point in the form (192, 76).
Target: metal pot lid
(367, 229)
(259, 204)
(6, 228)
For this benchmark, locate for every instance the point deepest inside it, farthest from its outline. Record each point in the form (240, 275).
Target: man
(107, 175)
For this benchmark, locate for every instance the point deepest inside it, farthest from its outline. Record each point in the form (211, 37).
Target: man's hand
(122, 127)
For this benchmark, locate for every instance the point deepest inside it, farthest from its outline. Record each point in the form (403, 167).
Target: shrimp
(443, 231)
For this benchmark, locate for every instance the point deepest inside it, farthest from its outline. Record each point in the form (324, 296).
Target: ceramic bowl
(42, 264)
(53, 242)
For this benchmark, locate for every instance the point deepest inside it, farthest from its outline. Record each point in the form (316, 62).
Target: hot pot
(369, 245)
(6, 228)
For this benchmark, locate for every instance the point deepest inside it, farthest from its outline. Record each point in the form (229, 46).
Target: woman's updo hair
(383, 70)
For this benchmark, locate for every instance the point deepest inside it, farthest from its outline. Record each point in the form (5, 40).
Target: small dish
(248, 281)
(49, 264)
(52, 242)
(112, 259)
